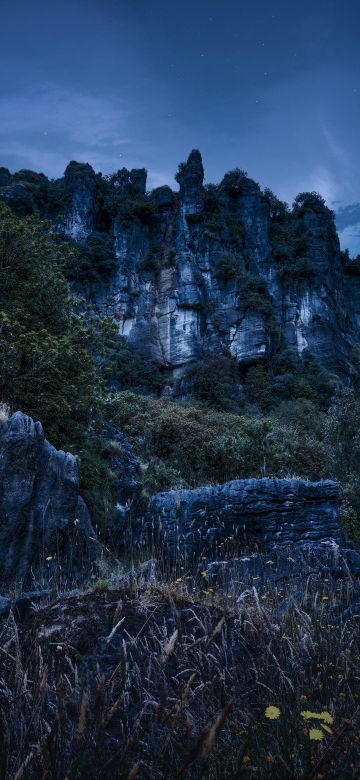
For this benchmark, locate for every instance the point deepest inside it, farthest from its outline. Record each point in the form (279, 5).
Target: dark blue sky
(270, 87)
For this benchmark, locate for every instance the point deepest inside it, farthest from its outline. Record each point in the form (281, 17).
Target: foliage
(205, 446)
(311, 202)
(150, 263)
(127, 205)
(53, 360)
(342, 441)
(96, 258)
(228, 267)
(290, 244)
(278, 208)
(213, 380)
(46, 358)
(212, 210)
(351, 264)
(27, 192)
(234, 181)
(128, 366)
(179, 173)
(258, 387)
(254, 294)
(307, 379)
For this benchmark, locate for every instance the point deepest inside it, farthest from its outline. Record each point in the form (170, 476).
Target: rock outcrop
(287, 562)
(214, 522)
(223, 268)
(43, 519)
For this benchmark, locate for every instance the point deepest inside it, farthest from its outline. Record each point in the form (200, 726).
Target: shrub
(234, 181)
(290, 244)
(311, 202)
(228, 267)
(258, 387)
(131, 367)
(95, 258)
(202, 446)
(213, 381)
(254, 294)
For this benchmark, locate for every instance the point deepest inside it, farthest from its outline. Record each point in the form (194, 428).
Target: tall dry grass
(162, 681)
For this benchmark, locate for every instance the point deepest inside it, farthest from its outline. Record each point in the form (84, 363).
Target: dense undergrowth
(174, 681)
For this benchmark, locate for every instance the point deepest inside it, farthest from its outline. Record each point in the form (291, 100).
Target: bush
(213, 381)
(258, 387)
(126, 206)
(234, 181)
(130, 367)
(95, 258)
(228, 267)
(311, 202)
(254, 294)
(290, 243)
(206, 446)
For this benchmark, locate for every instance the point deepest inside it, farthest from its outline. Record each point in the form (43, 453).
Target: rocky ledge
(212, 521)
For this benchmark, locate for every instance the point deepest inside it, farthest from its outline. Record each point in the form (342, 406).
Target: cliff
(219, 268)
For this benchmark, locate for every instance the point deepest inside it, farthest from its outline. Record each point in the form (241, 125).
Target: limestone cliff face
(78, 218)
(214, 268)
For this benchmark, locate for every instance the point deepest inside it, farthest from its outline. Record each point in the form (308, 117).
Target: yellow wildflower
(324, 715)
(326, 728)
(272, 712)
(316, 734)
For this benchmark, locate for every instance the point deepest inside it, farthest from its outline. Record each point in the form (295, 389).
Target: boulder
(43, 518)
(213, 521)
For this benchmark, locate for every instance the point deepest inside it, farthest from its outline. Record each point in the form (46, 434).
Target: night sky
(269, 87)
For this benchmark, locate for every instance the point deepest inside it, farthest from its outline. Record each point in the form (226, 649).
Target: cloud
(347, 216)
(337, 151)
(46, 128)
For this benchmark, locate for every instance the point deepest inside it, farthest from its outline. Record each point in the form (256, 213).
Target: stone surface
(42, 515)
(129, 501)
(77, 221)
(288, 562)
(214, 521)
(5, 607)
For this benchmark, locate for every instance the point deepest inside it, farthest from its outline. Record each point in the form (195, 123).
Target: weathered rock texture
(286, 562)
(188, 264)
(213, 521)
(42, 515)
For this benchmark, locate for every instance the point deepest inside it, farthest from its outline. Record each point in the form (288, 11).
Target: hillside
(179, 481)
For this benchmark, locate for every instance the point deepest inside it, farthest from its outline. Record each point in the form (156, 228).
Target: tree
(48, 351)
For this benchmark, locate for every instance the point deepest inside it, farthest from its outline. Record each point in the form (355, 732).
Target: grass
(178, 679)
